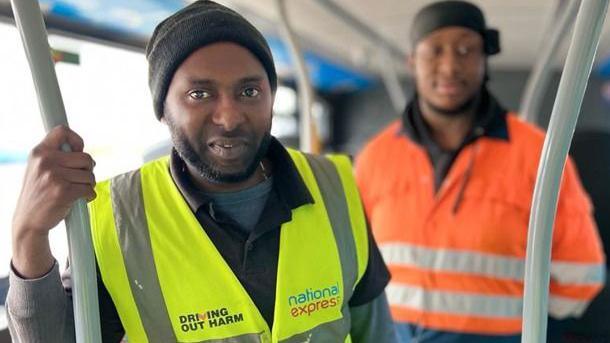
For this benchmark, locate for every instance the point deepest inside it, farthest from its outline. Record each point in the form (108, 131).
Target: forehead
(451, 34)
(220, 61)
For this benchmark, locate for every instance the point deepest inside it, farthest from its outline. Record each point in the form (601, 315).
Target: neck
(261, 174)
(449, 131)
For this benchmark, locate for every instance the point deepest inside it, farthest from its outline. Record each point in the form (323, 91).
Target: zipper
(467, 174)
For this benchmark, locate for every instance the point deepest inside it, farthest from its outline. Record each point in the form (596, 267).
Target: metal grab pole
(565, 113)
(391, 82)
(307, 135)
(388, 51)
(28, 18)
(362, 28)
(539, 78)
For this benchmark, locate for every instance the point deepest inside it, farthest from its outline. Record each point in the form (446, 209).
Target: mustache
(217, 132)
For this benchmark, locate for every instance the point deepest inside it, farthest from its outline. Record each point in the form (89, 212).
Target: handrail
(391, 81)
(568, 101)
(30, 24)
(387, 53)
(308, 140)
(538, 81)
(363, 28)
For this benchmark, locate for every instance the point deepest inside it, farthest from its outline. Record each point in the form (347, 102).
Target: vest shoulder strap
(333, 174)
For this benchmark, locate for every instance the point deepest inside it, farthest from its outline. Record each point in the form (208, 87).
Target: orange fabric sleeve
(577, 253)
(361, 173)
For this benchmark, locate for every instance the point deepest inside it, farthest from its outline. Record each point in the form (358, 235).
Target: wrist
(23, 232)
(23, 277)
(32, 256)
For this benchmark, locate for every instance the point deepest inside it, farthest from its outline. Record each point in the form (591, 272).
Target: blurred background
(354, 50)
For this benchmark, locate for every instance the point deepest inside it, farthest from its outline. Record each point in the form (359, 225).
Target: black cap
(199, 24)
(454, 13)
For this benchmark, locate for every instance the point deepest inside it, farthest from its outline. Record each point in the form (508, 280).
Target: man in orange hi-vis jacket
(448, 189)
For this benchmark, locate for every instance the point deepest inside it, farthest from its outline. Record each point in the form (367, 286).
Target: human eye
(250, 92)
(463, 50)
(199, 94)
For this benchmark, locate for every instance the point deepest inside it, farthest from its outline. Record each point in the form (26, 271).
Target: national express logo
(313, 300)
(211, 319)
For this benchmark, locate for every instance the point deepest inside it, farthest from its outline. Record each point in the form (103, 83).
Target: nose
(449, 62)
(228, 114)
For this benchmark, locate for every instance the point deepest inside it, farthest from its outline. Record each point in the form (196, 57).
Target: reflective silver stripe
(476, 305)
(247, 338)
(421, 299)
(485, 264)
(331, 189)
(326, 332)
(468, 262)
(134, 240)
(562, 307)
(573, 273)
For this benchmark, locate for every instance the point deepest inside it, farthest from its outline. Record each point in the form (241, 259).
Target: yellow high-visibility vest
(169, 283)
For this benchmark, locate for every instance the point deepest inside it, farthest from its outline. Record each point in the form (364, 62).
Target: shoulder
(524, 145)
(160, 165)
(384, 146)
(380, 140)
(528, 140)
(523, 132)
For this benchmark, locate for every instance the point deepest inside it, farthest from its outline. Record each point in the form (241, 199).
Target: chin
(231, 176)
(234, 165)
(452, 106)
(450, 103)
(230, 170)
(446, 105)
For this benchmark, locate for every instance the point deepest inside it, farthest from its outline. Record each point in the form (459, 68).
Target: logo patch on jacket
(210, 319)
(312, 300)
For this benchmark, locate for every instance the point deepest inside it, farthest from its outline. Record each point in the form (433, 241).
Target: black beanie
(454, 13)
(199, 24)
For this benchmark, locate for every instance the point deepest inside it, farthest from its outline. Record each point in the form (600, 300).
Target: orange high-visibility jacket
(457, 257)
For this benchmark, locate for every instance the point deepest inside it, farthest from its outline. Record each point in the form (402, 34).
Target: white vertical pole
(555, 150)
(387, 53)
(306, 124)
(538, 81)
(391, 81)
(82, 260)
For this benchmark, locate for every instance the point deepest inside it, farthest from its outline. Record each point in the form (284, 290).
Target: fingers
(49, 154)
(64, 176)
(60, 135)
(58, 162)
(81, 191)
(53, 180)
(73, 160)
(62, 187)
(77, 176)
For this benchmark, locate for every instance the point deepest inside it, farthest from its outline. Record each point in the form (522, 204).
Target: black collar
(490, 122)
(287, 182)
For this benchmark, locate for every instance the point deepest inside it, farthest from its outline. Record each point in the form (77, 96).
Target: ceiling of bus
(521, 24)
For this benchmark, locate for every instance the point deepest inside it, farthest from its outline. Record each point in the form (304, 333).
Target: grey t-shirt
(244, 206)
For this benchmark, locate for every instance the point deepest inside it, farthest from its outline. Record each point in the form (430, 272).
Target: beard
(455, 111)
(206, 167)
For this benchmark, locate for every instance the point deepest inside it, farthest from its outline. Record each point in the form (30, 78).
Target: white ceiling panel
(521, 23)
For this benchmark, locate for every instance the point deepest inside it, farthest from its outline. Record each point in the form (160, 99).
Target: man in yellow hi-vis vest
(232, 238)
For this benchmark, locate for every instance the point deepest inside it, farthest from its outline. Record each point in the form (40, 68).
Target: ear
(163, 120)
